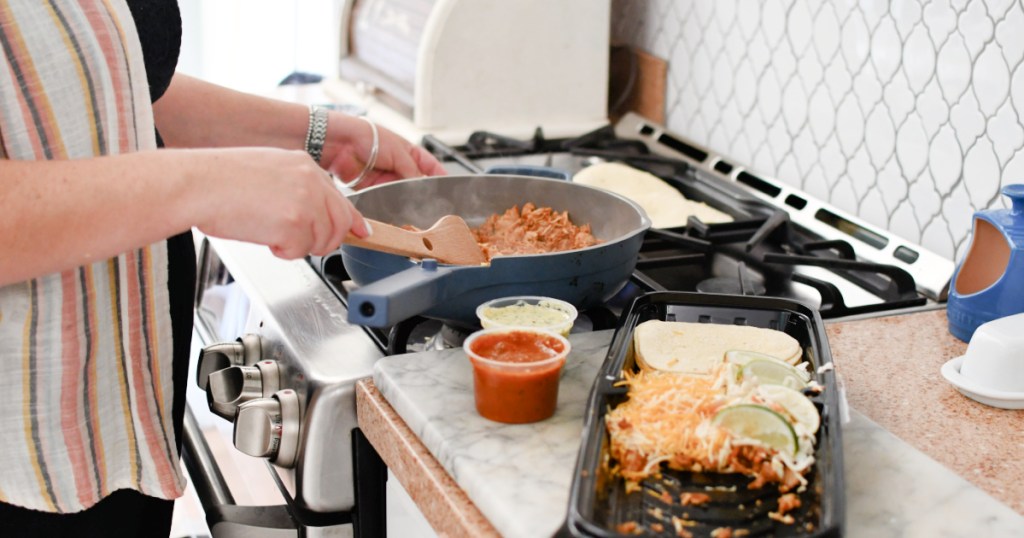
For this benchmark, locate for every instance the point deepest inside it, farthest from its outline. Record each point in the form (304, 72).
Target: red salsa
(517, 346)
(513, 391)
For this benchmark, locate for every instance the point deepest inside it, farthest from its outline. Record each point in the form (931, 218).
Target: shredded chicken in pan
(532, 230)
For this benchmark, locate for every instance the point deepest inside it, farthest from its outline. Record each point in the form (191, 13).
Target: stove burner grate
(741, 284)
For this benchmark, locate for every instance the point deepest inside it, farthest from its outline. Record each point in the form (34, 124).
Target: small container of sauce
(516, 372)
(528, 311)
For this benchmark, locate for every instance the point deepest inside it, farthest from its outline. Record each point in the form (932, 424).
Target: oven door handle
(225, 518)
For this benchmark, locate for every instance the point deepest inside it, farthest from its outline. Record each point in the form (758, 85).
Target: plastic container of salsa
(528, 311)
(516, 372)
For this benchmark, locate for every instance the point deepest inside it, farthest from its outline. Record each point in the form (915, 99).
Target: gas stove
(286, 367)
(782, 242)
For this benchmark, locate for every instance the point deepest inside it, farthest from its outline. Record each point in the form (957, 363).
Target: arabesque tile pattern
(905, 114)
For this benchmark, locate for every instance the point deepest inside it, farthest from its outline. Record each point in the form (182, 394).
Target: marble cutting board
(519, 475)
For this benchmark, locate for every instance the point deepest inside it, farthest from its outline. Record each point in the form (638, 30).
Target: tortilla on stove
(664, 204)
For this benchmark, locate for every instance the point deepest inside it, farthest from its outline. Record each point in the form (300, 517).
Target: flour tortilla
(697, 348)
(664, 204)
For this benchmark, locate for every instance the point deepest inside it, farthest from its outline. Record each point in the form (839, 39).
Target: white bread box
(451, 67)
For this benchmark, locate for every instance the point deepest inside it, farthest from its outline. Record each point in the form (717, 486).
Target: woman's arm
(55, 215)
(194, 113)
(60, 214)
(197, 114)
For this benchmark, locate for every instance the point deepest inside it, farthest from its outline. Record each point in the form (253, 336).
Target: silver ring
(371, 161)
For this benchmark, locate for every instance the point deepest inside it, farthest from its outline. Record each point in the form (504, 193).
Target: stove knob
(269, 428)
(245, 350)
(231, 387)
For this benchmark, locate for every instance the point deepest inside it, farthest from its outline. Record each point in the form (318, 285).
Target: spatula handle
(391, 239)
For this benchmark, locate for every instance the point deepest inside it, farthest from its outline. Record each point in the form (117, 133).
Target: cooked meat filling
(532, 230)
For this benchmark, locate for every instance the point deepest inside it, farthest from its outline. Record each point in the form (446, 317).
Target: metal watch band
(317, 132)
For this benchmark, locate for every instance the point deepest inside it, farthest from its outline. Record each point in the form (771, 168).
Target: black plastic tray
(598, 502)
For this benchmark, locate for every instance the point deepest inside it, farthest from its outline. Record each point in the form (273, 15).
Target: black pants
(126, 512)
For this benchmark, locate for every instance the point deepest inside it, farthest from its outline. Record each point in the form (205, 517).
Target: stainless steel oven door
(252, 310)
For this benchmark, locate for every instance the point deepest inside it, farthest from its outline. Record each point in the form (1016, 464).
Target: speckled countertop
(921, 459)
(890, 368)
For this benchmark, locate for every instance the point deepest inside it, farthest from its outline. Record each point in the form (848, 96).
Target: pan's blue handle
(529, 170)
(402, 295)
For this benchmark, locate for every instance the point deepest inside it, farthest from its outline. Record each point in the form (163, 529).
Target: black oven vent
(757, 183)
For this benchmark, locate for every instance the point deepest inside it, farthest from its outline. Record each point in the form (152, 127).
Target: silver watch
(317, 132)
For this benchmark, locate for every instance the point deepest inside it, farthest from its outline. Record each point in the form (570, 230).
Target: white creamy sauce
(526, 315)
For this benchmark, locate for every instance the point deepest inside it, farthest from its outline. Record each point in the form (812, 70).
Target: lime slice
(775, 372)
(798, 406)
(759, 423)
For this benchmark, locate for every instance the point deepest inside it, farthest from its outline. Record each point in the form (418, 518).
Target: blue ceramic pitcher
(989, 282)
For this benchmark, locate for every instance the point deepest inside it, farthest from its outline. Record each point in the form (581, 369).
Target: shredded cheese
(667, 418)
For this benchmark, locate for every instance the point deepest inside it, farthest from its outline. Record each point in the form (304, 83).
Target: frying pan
(391, 288)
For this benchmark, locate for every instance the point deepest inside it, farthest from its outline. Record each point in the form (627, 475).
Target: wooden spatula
(449, 240)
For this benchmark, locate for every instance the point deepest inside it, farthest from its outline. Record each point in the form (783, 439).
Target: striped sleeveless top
(85, 355)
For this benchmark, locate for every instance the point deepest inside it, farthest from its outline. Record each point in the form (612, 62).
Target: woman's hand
(279, 198)
(348, 146)
(197, 114)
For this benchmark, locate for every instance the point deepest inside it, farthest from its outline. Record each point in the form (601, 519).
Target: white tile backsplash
(905, 113)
